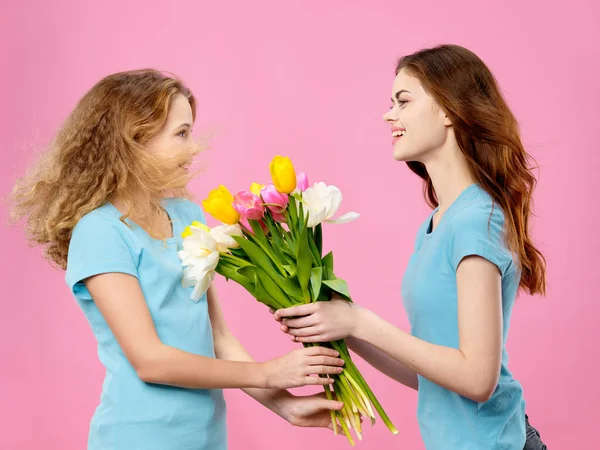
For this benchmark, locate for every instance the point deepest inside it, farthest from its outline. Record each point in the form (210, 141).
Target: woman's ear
(447, 122)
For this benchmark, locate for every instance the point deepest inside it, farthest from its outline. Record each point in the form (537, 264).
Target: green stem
(341, 347)
(277, 239)
(332, 412)
(233, 258)
(314, 252)
(356, 396)
(270, 254)
(362, 396)
(342, 417)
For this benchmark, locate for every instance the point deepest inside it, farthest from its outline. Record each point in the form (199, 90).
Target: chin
(402, 156)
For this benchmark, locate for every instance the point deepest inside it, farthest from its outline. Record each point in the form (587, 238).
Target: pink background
(310, 80)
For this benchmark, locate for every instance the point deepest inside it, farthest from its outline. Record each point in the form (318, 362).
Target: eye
(183, 133)
(400, 104)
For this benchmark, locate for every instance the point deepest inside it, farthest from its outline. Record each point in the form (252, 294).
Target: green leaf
(259, 292)
(289, 285)
(239, 252)
(290, 269)
(319, 239)
(315, 281)
(292, 215)
(328, 274)
(273, 288)
(263, 242)
(235, 275)
(265, 298)
(325, 294)
(328, 261)
(290, 249)
(292, 288)
(273, 231)
(302, 219)
(234, 261)
(276, 239)
(256, 254)
(304, 264)
(248, 272)
(259, 233)
(314, 252)
(338, 285)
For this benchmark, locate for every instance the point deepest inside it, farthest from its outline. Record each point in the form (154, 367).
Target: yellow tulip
(283, 174)
(187, 231)
(197, 224)
(219, 205)
(256, 188)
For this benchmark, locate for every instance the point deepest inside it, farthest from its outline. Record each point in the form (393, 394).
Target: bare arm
(384, 363)
(120, 300)
(472, 370)
(300, 411)
(378, 359)
(227, 347)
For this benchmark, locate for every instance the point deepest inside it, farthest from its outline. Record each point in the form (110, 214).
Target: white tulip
(321, 202)
(201, 283)
(200, 256)
(222, 234)
(313, 207)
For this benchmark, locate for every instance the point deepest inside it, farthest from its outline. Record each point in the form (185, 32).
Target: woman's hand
(308, 411)
(319, 321)
(295, 368)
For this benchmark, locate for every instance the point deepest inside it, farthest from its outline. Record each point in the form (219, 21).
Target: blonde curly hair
(99, 154)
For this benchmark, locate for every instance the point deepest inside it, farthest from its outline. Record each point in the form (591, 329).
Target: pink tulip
(278, 217)
(301, 181)
(275, 200)
(248, 205)
(247, 226)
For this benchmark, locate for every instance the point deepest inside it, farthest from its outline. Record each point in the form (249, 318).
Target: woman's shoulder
(102, 225)
(186, 209)
(99, 217)
(477, 211)
(477, 228)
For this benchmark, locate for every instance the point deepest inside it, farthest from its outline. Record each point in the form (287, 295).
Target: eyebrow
(400, 92)
(184, 125)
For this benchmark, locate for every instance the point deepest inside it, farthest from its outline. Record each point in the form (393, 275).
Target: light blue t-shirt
(472, 225)
(133, 414)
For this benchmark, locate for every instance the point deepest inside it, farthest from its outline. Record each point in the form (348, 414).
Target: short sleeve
(98, 245)
(479, 231)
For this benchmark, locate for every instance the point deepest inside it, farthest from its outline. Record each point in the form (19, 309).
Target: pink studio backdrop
(310, 80)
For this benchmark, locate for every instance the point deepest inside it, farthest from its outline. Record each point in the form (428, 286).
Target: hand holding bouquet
(270, 243)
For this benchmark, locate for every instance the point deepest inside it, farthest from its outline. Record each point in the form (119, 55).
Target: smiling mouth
(397, 135)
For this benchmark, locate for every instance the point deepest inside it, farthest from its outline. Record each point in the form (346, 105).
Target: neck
(143, 207)
(449, 173)
(148, 215)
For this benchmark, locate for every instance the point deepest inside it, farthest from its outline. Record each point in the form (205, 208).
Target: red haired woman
(451, 125)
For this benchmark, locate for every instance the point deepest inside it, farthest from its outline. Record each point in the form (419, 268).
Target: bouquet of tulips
(270, 242)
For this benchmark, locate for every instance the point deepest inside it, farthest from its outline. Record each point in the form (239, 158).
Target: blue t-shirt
(472, 225)
(133, 414)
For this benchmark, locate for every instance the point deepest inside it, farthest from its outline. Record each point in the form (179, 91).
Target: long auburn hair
(488, 135)
(99, 154)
